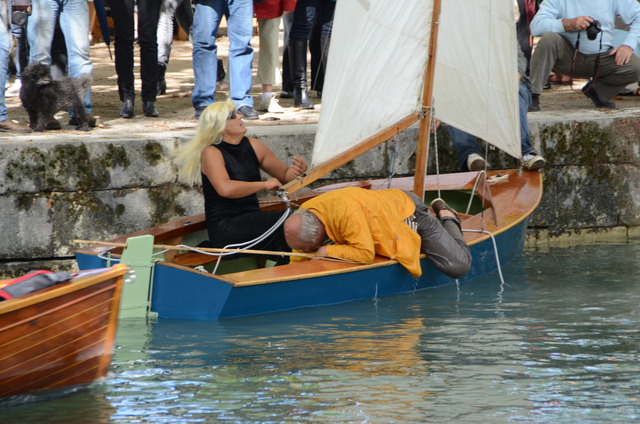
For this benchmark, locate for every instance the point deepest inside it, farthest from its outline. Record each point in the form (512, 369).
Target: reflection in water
(558, 343)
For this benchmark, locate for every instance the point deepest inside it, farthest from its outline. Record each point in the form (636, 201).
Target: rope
(475, 187)
(495, 249)
(249, 244)
(392, 164)
(432, 123)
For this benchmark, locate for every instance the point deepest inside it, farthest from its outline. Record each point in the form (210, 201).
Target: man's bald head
(304, 231)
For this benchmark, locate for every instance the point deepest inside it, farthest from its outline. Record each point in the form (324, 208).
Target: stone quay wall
(56, 189)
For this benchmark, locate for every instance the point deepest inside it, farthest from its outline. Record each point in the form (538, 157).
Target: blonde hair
(211, 126)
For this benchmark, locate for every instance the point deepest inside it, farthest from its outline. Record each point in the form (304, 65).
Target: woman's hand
(298, 166)
(272, 184)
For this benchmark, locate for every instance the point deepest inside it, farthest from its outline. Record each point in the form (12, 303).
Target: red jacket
(269, 9)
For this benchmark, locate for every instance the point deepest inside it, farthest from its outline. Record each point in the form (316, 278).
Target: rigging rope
(249, 244)
(432, 124)
(392, 163)
(495, 249)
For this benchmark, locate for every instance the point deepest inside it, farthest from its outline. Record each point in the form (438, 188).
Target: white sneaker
(271, 105)
(475, 162)
(14, 89)
(532, 162)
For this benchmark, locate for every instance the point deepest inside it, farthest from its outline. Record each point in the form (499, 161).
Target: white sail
(476, 81)
(375, 71)
(378, 58)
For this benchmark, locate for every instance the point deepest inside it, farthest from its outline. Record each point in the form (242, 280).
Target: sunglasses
(232, 115)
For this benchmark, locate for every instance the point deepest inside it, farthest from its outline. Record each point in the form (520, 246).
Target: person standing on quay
(6, 124)
(73, 16)
(148, 12)
(269, 13)
(206, 21)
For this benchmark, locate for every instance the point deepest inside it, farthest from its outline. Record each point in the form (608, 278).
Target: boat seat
(193, 259)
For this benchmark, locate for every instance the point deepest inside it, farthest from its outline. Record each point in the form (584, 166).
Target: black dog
(42, 96)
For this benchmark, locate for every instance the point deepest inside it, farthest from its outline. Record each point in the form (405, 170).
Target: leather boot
(149, 109)
(298, 64)
(162, 83)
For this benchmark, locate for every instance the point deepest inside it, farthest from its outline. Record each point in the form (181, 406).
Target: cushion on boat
(31, 282)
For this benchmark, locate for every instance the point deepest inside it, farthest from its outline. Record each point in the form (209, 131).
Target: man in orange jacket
(392, 223)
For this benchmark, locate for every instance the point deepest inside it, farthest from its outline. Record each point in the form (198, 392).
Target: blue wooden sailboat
(393, 77)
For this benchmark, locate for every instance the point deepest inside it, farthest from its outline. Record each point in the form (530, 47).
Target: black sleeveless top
(242, 164)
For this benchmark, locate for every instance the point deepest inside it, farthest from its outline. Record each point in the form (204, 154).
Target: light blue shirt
(549, 19)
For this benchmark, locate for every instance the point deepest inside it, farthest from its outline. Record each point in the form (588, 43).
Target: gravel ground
(176, 111)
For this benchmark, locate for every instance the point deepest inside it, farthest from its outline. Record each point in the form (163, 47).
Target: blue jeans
(5, 47)
(466, 144)
(206, 21)
(22, 50)
(74, 22)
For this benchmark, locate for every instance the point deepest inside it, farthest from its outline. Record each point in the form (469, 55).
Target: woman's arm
(214, 168)
(274, 166)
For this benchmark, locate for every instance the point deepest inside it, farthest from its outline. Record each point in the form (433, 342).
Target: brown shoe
(52, 124)
(438, 205)
(9, 126)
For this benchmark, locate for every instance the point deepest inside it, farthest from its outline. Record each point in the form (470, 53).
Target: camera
(20, 10)
(593, 29)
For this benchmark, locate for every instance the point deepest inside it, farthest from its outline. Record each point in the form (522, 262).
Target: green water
(558, 343)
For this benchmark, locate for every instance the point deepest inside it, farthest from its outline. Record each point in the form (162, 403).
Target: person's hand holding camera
(579, 23)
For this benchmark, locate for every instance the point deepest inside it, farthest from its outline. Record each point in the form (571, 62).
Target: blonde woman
(228, 165)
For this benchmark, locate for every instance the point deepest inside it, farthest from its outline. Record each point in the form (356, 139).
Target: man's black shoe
(149, 109)
(127, 109)
(535, 103)
(591, 93)
(248, 112)
(199, 111)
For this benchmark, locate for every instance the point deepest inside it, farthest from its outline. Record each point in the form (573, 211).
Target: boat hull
(177, 295)
(59, 337)
(186, 294)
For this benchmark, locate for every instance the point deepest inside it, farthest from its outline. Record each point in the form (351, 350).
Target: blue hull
(185, 294)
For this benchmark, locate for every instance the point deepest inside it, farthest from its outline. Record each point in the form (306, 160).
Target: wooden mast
(422, 151)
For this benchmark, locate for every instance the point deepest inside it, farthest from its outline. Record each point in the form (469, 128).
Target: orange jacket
(363, 223)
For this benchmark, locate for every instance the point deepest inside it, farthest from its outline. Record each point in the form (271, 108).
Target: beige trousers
(269, 53)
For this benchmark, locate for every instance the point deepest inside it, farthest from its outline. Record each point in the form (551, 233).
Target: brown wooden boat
(60, 337)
